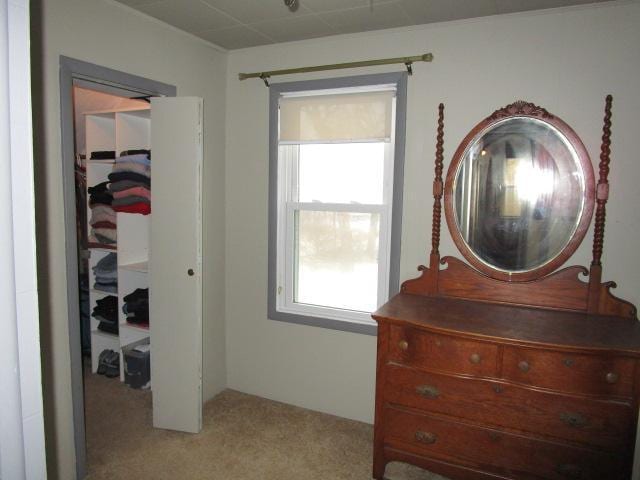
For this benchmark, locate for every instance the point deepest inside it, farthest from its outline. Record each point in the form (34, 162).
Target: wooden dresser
(480, 376)
(473, 390)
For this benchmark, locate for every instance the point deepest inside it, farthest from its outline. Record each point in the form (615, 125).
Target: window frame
(322, 316)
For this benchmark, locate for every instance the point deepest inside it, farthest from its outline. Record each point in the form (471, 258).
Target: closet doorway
(133, 249)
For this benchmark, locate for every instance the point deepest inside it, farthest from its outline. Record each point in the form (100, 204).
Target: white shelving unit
(118, 131)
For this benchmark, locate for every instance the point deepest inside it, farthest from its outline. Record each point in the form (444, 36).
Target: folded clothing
(99, 194)
(132, 167)
(143, 208)
(136, 306)
(139, 153)
(107, 264)
(123, 185)
(103, 155)
(111, 234)
(109, 363)
(106, 309)
(133, 191)
(102, 213)
(106, 287)
(134, 177)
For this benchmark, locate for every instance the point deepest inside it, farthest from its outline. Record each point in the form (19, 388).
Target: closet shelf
(106, 335)
(102, 247)
(142, 267)
(131, 326)
(102, 292)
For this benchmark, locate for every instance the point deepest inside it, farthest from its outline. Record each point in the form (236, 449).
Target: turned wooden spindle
(437, 191)
(602, 195)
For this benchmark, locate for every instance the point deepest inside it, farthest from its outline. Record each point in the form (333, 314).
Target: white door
(175, 263)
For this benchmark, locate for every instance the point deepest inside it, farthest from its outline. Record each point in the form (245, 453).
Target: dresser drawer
(606, 424)
(493, 450)
(588, 374)
(414, 347)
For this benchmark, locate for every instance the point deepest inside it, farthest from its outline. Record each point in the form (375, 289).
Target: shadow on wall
(43, 253)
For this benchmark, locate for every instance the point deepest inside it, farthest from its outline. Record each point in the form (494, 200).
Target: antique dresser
(507, 368)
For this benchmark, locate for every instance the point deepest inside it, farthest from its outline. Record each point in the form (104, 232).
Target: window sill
(332, 324)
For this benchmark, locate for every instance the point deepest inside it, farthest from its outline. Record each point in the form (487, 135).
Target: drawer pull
(498, 388)
(426, 437)
(612, 377)
(403, 344)
(524, 366)
(568, 362)
(574, 419)
(569, 470)
(428, 391)
(475, 358)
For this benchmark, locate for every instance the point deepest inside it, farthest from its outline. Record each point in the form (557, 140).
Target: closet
(148, 245)
(118, 132)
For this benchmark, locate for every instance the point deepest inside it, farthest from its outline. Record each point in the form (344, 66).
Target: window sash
(287, 208)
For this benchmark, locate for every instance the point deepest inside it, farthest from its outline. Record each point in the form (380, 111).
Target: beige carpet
(244, 438)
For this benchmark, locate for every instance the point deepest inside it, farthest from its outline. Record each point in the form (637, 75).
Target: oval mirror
(519, 193)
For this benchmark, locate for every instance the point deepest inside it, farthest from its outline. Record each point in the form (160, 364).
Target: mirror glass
(518, 194)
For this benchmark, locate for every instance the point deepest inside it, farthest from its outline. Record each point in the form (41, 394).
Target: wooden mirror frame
(521, 109)
(560, 290)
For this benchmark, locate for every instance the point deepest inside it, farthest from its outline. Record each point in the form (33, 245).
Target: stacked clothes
(131, 182)
(136, 307)
(103, 218)
(106, 274)
(106, 312)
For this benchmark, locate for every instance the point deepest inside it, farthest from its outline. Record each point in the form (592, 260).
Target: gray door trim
(71, 69)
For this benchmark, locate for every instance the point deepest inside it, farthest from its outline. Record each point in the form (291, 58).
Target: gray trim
(400, 80)
(71, 69)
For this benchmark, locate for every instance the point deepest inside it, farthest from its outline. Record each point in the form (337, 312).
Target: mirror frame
(521, 109)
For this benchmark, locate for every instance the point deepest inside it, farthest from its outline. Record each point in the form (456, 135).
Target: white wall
(565, 60)
(22, 423)
(106, 33)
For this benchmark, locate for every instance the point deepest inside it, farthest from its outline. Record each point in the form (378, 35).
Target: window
(335, 199)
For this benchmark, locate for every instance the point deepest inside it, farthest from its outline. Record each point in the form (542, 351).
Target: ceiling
(236, 24)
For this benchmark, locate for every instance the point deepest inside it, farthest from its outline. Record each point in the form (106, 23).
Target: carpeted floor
(244, 438)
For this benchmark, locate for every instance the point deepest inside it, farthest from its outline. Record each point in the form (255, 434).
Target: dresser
(480, 376)
(473, 390)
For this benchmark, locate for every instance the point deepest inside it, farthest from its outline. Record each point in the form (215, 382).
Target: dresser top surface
(517, 324)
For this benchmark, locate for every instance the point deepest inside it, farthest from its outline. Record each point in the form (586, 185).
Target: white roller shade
(349, 117)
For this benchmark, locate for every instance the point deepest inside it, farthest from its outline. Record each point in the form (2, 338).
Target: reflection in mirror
(518, 194)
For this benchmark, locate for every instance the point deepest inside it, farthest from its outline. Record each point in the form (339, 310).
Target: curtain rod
(407, 61)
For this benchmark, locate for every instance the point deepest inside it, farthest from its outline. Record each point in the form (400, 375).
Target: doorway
(84, 87)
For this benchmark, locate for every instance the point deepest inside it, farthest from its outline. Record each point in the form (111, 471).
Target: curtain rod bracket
(409, 66)
(265, 79)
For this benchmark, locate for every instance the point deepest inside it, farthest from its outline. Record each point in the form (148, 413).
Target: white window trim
(286, 230)
(339, 319)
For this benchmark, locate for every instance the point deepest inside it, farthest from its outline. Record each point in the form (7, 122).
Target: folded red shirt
(103, 225)
(141, 207)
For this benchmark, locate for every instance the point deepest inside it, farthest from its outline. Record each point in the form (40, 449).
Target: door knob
(190, 272)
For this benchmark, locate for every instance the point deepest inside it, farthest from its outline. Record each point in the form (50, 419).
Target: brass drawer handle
(428, 391)
(574, 419)
(403, 344)
(426, 437)
(612, 377)
(475, 358)
(524, 366)
(569, 470)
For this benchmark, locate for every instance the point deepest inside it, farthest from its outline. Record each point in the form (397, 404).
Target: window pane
(341, 173)
(336, 259)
